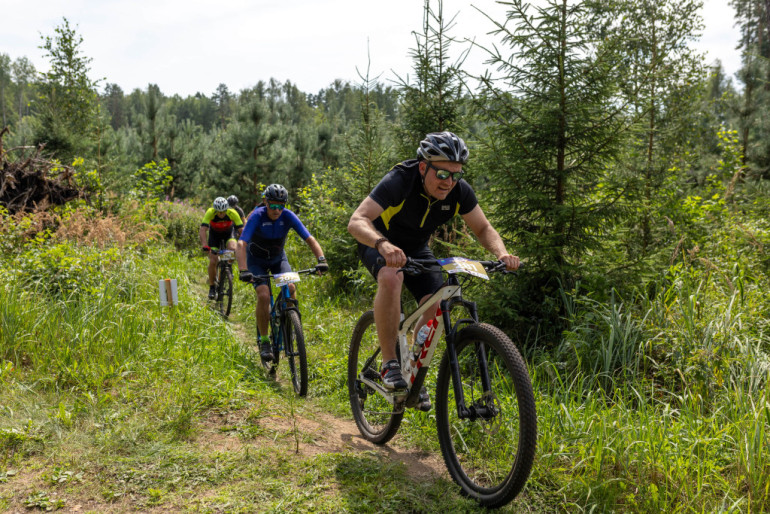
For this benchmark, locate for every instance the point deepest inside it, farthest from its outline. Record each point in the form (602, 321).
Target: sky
(194, 45)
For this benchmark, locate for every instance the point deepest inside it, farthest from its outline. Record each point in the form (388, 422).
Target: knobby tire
(376, 418)
(294, 345)
(489, 458)
(225, 291)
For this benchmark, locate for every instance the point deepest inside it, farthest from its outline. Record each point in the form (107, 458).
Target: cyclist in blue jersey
(260, 250)
(396, 221)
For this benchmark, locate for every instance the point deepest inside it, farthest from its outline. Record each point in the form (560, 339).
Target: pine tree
(432, 99)
(662, 81)
(68, 104)
(23, 72)
(553, 133)
(5, 75)
(751, 17)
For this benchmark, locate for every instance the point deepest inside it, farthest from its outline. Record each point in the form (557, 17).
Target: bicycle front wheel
(225, 291)
(376, 418)
(489, 453)
(294, 344)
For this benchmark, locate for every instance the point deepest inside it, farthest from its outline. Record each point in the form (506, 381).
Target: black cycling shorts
(257, 266)
(220, 239)
(418, 285)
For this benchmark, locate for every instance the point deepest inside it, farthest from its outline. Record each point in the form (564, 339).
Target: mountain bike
(485, 406)
(224, 299)
(286, 333)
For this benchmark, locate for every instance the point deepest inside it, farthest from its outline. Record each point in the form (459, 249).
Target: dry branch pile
(33, 183)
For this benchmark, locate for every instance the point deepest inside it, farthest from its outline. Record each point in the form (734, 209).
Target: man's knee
(263, 295)
(389, 280)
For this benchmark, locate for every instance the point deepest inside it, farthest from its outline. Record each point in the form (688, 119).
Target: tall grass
(659, 402)
(83, 349)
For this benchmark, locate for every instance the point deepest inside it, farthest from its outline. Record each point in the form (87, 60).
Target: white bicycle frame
(410, 366)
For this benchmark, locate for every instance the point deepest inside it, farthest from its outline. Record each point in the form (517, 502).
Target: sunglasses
(278, 206)
(445, 174)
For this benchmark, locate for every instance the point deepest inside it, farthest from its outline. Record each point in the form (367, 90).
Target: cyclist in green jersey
(218, 229)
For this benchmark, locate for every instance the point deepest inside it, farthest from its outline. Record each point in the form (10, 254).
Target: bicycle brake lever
(413, 268)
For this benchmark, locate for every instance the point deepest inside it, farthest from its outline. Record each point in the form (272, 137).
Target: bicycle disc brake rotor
(490, 424)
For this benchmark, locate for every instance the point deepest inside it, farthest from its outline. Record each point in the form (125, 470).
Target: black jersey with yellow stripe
(410, 215)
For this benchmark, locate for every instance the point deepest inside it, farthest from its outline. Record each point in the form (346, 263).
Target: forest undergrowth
(109, 403)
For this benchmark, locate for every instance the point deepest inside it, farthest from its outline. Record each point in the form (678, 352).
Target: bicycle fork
(484, 407)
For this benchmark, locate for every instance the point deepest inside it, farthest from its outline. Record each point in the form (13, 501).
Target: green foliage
(550, 147)
(152, 180)
(182, 221)
(43, 500)
(326, 206)
(66, 268)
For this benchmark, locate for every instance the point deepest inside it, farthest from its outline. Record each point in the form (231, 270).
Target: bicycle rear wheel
(294, 344)
(376, 418)
(225, 291)
(491, 456)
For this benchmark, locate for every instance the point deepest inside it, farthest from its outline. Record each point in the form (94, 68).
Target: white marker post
(168, 293)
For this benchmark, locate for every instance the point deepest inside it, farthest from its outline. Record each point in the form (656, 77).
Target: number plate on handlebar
(463, 265)
(284, 279)
(226, 255)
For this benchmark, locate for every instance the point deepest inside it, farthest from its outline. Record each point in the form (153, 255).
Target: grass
(111, 403)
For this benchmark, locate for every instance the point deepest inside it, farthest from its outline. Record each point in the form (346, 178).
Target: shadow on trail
(411, 459)
(373, 481)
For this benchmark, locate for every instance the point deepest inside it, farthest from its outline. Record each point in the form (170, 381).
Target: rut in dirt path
(310, 430)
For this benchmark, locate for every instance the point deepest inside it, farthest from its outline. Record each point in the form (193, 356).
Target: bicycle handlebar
(269, 276)
(417, 266)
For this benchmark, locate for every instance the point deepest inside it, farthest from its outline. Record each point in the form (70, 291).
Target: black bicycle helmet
(443, 146)
(232, 200)
(276, 193)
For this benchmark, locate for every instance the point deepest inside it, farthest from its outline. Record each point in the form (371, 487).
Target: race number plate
(463, 265)
(227, 255)
(284, 279)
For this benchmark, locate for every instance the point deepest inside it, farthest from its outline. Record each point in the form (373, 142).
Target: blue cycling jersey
(266, 238)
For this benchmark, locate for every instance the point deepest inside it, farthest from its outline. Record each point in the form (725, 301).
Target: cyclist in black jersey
(396, 221)
(232, 201)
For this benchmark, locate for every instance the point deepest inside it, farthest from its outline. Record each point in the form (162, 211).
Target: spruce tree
(432, 98)
(554, 130)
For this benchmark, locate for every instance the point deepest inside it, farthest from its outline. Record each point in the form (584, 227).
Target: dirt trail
(318, 431)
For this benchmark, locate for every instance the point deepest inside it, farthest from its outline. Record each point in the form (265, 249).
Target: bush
(325, 212)
(182, 221)
(67, 268)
